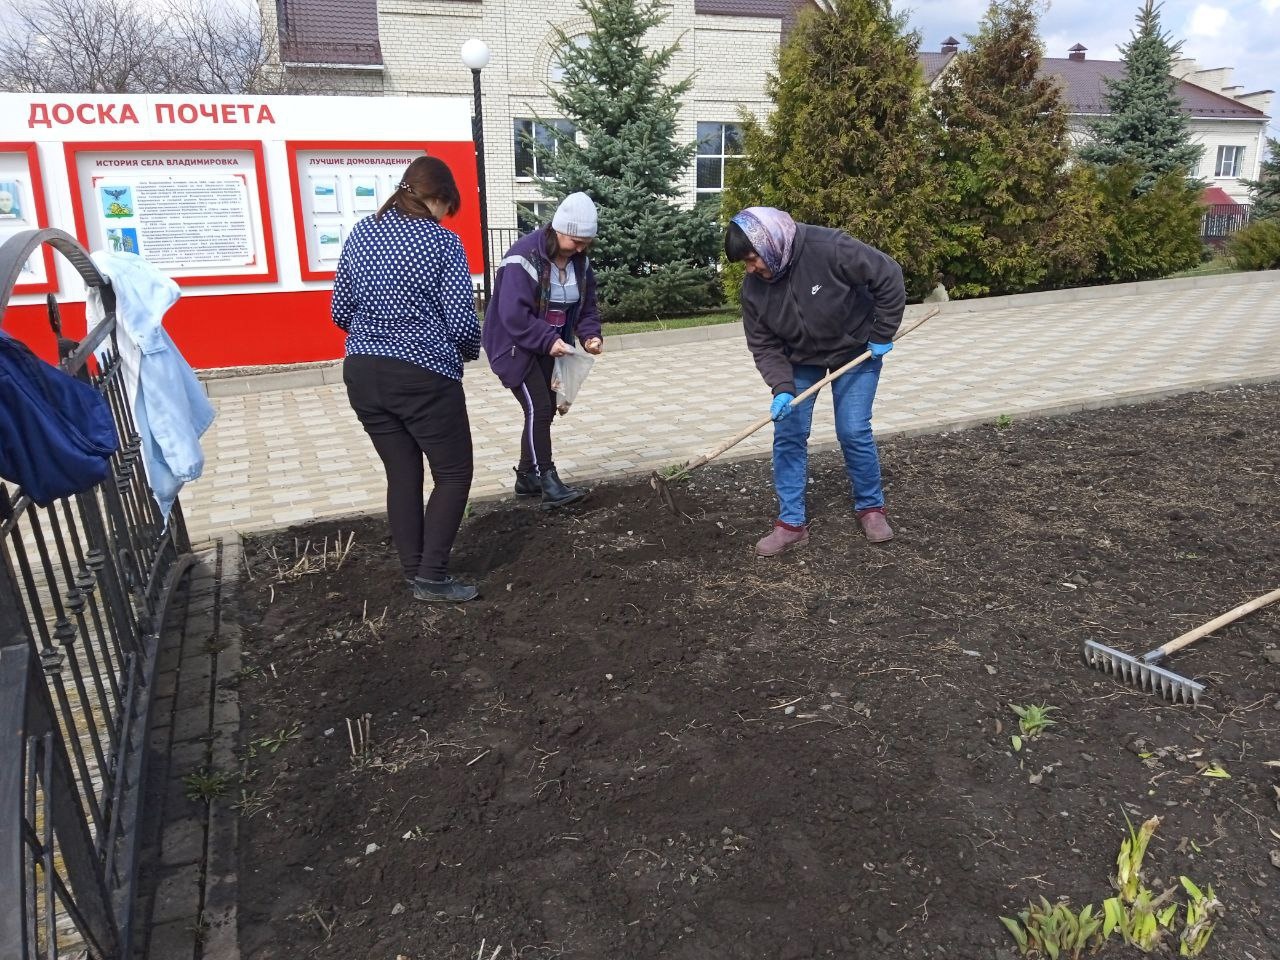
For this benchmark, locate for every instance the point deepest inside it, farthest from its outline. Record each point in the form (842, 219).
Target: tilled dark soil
(643, 743)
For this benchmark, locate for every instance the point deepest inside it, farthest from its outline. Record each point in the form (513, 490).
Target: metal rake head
(1145, 676)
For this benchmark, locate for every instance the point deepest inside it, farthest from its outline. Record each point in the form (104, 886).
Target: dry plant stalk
(308, 558)
(360, 736)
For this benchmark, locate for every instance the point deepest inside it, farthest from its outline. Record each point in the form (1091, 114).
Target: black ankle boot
(555, 493)
(447, 590)
(528, 483)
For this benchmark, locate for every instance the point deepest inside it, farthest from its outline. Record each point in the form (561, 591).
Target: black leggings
(538, 401)
(409, 411)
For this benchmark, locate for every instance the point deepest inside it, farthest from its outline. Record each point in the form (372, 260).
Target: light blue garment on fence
(170, 409)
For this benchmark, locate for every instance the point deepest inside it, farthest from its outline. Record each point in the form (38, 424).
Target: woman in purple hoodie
(544, 296)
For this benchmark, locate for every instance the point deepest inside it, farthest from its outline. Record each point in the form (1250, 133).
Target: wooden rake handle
(1229, 617)
(737, 438)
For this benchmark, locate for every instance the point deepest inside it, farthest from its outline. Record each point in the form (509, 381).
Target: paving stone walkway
(288, 456)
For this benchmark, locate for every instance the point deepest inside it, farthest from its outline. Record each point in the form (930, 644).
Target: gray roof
(329, 31)
(1084, 92)
(933, 64)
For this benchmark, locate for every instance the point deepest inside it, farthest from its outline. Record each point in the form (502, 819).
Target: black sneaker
(447, 590)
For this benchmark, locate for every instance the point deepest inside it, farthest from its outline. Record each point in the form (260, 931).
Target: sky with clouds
(1244, 34)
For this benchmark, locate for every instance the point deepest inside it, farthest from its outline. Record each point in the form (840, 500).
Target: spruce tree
(1002, 136)
(652, 257)
(1146, 125)
(1265, 191)
(846, 145)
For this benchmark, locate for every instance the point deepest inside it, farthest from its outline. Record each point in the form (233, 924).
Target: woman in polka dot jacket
(403, 295)
(544, 295)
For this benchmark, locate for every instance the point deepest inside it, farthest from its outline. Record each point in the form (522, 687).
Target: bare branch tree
(123, 46)
(223, 49)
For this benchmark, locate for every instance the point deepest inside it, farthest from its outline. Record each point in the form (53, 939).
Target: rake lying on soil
(1145, 673)
(663, 484)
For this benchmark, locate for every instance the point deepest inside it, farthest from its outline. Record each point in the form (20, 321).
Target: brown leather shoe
(874, 525)
(781, 538)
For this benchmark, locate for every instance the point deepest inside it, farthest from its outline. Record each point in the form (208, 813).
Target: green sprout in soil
(1053, 930)
(1141, 917)
(1004, 421)
(205, 786)
(674, 473)
(1033, 720)
(1203, 911)
(273, 743)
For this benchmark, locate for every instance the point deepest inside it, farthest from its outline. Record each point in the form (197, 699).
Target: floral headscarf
(772, 232)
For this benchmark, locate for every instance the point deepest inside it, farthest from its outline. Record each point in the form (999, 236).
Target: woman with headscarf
(812, 300)
(403, 295)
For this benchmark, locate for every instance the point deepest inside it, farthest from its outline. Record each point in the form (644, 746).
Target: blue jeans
(852, 395)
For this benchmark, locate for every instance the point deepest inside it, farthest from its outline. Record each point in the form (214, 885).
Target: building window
(531, 214)
(555, 72)
(1230, 159)
(529, 132)
(719, 145)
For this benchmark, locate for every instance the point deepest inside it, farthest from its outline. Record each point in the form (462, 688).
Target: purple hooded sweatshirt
(515, 326)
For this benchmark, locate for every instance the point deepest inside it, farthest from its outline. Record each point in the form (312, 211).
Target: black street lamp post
(475, 55)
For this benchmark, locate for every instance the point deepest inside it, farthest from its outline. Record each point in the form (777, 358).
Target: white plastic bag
(568, 375)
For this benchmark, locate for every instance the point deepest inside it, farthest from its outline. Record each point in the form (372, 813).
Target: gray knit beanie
(576, 216)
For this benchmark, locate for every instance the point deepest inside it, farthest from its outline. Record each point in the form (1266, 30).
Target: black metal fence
(84, 585)
(500, 241)
(1221, 220)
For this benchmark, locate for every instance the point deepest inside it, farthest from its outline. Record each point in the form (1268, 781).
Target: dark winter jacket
(838, 294)
(515, 326)
(56, 433)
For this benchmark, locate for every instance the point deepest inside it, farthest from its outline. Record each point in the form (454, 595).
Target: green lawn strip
(676, 323)
(1217, 265)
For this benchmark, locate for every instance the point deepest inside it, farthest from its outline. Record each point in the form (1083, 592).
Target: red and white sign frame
(263, 207)
(36, 179)
(278, 316)
(458, 155)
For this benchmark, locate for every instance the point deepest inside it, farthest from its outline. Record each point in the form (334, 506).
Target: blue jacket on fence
(170, 410)
(56, 432)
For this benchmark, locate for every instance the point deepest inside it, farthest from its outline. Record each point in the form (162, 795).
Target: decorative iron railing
(500, 241)
(84, 586)
(1221, 220)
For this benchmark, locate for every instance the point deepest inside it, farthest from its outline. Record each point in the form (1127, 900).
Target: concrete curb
(221, 922)
(241, 381)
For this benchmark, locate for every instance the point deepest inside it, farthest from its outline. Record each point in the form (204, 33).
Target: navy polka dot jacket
(403, 290)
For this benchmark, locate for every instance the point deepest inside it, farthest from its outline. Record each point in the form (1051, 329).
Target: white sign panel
(193, 213)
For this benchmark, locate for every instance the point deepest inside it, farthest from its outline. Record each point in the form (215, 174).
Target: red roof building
(1230, 124)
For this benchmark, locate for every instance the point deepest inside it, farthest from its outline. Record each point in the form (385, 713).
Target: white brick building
(407, 47)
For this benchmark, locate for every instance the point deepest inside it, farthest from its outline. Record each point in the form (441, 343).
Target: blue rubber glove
(878, 350)
(781, 408)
